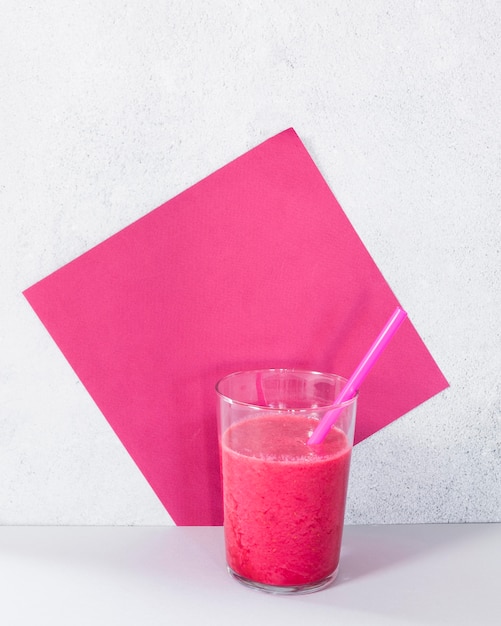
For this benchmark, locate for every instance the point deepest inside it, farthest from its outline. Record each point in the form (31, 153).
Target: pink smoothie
(283, 500)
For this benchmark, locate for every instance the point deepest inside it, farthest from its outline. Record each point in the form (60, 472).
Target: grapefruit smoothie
(284, 500)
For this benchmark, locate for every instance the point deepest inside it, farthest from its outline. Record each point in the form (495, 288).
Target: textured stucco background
(108, 109)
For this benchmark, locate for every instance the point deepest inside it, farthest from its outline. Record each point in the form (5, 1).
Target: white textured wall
(107, 109)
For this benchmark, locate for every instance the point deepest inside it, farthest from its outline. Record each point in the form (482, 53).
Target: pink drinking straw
(364, 367)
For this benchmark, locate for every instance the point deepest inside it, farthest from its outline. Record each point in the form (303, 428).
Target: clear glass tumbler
(284, 500)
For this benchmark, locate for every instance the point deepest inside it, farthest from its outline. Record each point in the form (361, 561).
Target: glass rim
(300, 371)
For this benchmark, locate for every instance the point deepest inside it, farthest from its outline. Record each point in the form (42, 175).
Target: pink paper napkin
(255, 266)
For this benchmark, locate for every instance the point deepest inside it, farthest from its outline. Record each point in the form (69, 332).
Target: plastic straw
(356, 379)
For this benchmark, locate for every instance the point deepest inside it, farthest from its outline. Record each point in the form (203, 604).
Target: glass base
(286, 590)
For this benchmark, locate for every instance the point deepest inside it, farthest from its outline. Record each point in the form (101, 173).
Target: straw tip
(399, 315)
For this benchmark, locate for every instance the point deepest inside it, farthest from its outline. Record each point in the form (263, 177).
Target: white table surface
(405, 574)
